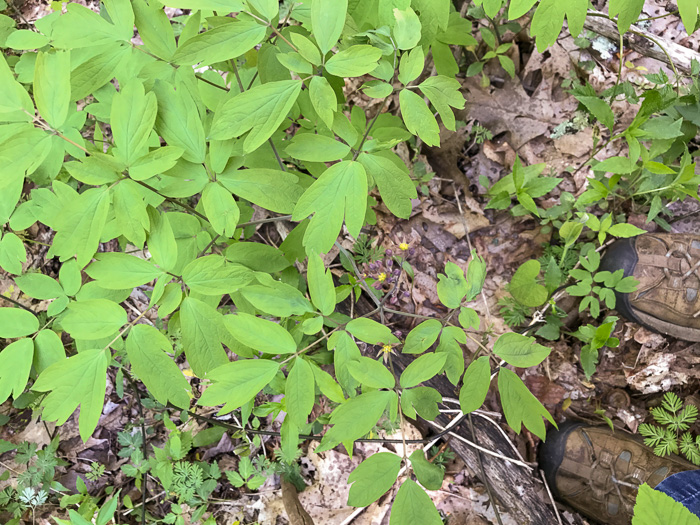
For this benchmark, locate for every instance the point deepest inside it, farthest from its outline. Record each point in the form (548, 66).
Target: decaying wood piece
(643, 42)
(295, 512)
(517, 488)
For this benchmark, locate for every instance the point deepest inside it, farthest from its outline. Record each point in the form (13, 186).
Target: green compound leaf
(524, 287)
(413, 505)
(12, 254)
(202, 331)
(407, 29)
(274, 190)
(155, 162)
(132, 118)
(340, 191)
(122, 16)
(355, 418)
(276, 298)
(653, 507)
(393, 180)
(434, 18)
(549, 19)
(236, 383)
(93, 319)
(429, 474)
(130, 212)
(418, 118)
(70, 278)
(296, 63)
(260, 334)
(154, 28)
(82, 27)
(449, 345)
(327, 385)
(97, 71)
(230, 40)
(422, 337)
(52, 86)
(600, 109)
(625, 230)
(79, 226)
(443, 93)
(221, 209)
(476, 381)
(322, 98)
(15, 365)
(452, 286)
(78, 380)
(468, 318)
(519, 350)
(15, 322)
(321, 287)
(48, 349)
(371, 373)
(15, 98)
(422, 400)
(371, 331)
(178, 120)
(316, 148)
(688, 10)
(146, 348)
(307, 49)
(39, 286)
(299, 392)
(259, 110)
(476, 275)
(410, 67)
(327, 21)
(213, 275)
(268, 8)
(25, 39)
(520, 406)
(161, 240)
(354, 61)
(372, 478)
(119, 271)
(422, 369)
(518, 8)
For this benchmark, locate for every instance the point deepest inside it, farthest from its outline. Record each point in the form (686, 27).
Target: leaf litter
(521, 115)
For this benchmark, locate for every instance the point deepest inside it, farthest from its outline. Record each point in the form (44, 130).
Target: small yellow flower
(403, 246)
(386, 349)
(381, 277)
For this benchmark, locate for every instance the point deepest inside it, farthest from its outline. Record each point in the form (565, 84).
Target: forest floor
(521, 115)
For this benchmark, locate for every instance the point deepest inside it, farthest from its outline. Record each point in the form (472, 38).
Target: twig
(17, 303)
(482, 449)
(551, 498)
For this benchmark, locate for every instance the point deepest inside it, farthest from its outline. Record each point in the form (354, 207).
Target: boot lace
(680, 250)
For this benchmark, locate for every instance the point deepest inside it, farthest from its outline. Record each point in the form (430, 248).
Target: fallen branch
(643, 42)
(513, 485)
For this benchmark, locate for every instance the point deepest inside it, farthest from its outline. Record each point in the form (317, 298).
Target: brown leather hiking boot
(597, 472)
(667, 266)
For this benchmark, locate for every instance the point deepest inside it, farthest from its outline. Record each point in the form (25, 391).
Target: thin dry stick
(482, 449)
(551, 498)
(503, 433)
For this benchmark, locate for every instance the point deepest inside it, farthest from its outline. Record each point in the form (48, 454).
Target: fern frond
(672, 402)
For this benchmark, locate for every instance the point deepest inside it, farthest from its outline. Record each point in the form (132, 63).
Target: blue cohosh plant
(168, 146)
